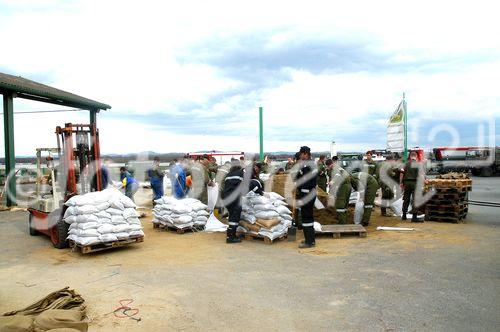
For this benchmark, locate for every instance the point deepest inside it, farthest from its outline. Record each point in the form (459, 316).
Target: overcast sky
(190, 75)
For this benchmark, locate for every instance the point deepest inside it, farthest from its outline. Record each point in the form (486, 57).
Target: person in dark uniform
(256, 184)
(340, 188)
(322, 174)
(387, 172)
(409, 177)
(369, 165)
(306, 195)
(232, 195)
(364, 181)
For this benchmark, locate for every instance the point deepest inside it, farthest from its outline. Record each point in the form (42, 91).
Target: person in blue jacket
(178, 179)
(155, 175)
(129, 183)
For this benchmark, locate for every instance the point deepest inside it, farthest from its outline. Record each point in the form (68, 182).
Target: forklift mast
(80, 160)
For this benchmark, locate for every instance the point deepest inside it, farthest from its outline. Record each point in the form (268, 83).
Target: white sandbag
(106, 228)
(214, 225)
(88, 225)
(91, 232)
(275, 196)
(213, 195)
(71, 211)
(130, 213)
(318, 205)
(122, 236)
(118, 220)
(283, 210)
(86, 218)
(72, 237)
(122, 228)
(202, 218)
(86, 209)
(397, 207)
(259, 200)
(136, 233)
(183, 226)
(166, 207)
(271, 235)
(266, 214)
(184, 219)
(202, 213)
(134, 220)
(108, 238)
(87, 241)
(197, 206)
(169, 200)
(102, 206)
(358, 212)
(317, 227)
(114, 211)
(286, 217)
(127, 202)
(116, 203)
(104, 221)
(134, 227)
(182, 209)
(103, 214)
(249, 217)
(279, 203)
(70, 219)
(264, 207)
(187, 201)
(287, 223)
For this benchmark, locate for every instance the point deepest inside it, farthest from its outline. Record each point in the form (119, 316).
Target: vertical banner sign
(396, 132)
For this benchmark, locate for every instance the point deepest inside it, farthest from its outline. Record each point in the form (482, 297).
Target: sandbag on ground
(59, 318)
(16, 323)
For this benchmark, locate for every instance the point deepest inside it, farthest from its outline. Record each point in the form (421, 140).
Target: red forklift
(78, 172)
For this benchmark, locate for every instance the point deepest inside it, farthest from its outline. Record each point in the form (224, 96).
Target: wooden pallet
(449, 190)
(173, 229)
(454, 220)
(251, 236)
(444, 213)
(104, 246)
(341, 230)
(431, 205)
(447, 183)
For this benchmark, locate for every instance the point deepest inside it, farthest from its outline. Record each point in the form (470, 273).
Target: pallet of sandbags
(102, 219)
(86, 249)
(181, 215)
(266, 217)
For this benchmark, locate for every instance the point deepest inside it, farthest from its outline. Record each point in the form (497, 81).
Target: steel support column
(10, 157)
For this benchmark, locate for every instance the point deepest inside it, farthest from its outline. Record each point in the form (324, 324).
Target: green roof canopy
(27, 89)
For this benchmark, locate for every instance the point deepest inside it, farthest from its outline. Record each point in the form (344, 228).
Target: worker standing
(369, 165)
(366, 183)
(256, 184)
(200, 178)
(340, 188)
(178, 181)
(306, 195)
(388, 175)
(409, 178)
(156, 175)
(128, 183)
(212, 167)
(232, 194)
(322, 176)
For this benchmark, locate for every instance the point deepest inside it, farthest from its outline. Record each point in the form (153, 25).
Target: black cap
(259, 165)
(297, 155)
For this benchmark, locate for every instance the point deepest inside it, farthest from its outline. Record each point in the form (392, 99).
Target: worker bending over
(364, 182)
(128, 183)
(232, 197)
(340, 188)
(156, 175)
(306, 195)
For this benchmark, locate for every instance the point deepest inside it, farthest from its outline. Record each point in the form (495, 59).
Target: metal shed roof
(25, 88)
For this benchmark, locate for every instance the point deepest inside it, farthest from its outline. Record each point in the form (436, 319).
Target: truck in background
(482, 161)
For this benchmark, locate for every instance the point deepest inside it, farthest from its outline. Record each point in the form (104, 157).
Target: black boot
(403, 217)
(383, 211)
(231, 235)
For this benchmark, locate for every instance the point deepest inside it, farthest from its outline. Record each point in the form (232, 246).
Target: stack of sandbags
(180, 213)
(102, 217)
(265, 216)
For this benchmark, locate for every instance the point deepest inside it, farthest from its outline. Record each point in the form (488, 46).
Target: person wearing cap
(306, 195)
(366, 183)
(232, 194)
(408, 179)
(200, 178)
(340, 188)
(322, 174)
